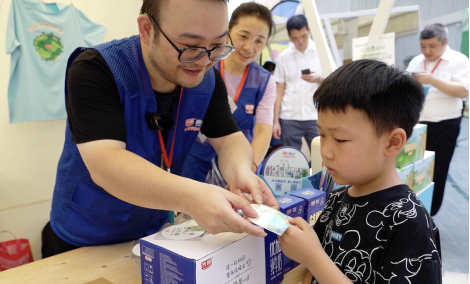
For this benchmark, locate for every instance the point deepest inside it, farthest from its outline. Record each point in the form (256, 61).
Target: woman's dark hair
(252, 9)
(390, 97)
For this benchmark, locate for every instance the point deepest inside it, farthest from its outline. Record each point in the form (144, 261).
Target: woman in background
(251, 89)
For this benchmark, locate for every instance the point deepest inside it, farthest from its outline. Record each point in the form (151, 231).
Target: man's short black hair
(390, 97)
(296, 22)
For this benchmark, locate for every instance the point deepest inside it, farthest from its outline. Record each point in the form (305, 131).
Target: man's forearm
(452, 89)
(133, 179)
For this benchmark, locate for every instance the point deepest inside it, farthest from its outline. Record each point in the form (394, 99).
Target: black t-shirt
(94, 105)
(384, 237)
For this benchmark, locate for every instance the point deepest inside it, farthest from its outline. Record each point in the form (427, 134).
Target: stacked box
(423, 171)
(274, 259)
(425, 196)
(315, 201)
(414, 147)
(221, 258)
(406, 174)
(294, 207)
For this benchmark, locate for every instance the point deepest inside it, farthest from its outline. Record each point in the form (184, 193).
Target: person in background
(375, 230)
(298, 74)
(270, 66)
(119, 175)
(444, 75)
(251, 89)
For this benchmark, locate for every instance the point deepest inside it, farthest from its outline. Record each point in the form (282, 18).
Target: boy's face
(350, 148)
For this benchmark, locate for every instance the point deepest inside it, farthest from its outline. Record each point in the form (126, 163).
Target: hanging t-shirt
(40, 39)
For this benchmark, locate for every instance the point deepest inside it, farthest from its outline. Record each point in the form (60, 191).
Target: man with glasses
(135, 106)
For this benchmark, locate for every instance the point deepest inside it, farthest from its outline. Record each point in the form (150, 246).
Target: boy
(375, 230)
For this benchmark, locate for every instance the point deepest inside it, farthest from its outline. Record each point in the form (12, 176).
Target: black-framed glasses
(194, 53)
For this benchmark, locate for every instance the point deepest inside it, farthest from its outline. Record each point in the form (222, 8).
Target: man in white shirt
(444, 75)
(295, 115)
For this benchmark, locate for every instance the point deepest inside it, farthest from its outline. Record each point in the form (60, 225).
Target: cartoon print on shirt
(346, 213)
(399, 212)
(330, 203)
(410, 265)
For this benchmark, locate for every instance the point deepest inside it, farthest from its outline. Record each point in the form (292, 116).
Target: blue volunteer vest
(199, 159)
(83, 213)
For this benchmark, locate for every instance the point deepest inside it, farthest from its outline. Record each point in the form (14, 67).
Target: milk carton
(423, 171)
(406, 174)
(315, 201)
(414, 147)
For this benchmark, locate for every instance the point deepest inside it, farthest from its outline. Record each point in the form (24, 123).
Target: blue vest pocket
(97, 216)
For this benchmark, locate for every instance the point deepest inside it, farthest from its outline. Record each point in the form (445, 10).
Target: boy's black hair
(270, 66)
(390, 97)
(296, 22)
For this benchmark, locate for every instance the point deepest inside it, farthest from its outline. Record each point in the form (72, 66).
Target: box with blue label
(406, 174)
(315, 201)
(414, 147)
(294, 207)
(210, 259)
(423, 171)
(274, 259)
(425, 196)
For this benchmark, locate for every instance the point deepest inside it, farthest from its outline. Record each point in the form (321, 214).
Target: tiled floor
(453, 217)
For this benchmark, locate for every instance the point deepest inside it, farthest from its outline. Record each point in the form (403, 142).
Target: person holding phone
(251, 89)
(443, 72)
(298, 74)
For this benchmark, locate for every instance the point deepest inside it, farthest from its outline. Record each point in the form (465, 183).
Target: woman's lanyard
(165, 157)
(437, 64)
(242, 82)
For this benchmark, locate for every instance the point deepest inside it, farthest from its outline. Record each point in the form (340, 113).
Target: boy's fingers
(299, 222)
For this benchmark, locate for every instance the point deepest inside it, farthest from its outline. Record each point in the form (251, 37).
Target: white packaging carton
(211, 259)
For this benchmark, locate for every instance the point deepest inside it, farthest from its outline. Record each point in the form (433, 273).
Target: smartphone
(305, 71)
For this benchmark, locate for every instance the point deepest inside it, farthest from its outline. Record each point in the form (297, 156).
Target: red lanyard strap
(434, 66)
(242, 82)
(167, 159)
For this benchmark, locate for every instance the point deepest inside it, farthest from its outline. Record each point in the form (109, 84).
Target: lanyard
(165, 157)
(434, 66)
(242, 82)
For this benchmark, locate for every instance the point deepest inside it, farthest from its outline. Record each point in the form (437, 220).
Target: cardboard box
(406, 174)
(423, 171)
(315, 201)
(425, 195)
(274, 259)
(211, 259)
(414, 147)
(294, 207)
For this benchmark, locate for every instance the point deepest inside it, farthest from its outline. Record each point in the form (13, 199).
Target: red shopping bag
(14, 253)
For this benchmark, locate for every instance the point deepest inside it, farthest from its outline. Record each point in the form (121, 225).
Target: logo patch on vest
(193, 124)
(250, 109)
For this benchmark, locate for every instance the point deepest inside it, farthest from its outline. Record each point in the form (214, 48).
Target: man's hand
(214, 210)
(247, 181)
(299, 242)
(277, 130)
(424, 78)
(311, 78)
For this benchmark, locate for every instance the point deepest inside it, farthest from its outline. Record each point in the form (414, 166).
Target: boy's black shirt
(384, 237)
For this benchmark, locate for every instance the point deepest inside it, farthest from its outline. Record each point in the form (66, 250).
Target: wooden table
(99, 265)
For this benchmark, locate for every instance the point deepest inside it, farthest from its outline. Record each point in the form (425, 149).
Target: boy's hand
(299, 242)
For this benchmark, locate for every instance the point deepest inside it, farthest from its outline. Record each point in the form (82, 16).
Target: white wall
(29, 152)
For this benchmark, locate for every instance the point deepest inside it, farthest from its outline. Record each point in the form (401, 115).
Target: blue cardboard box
(274, 259)
(294, 207)
(315, 201)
